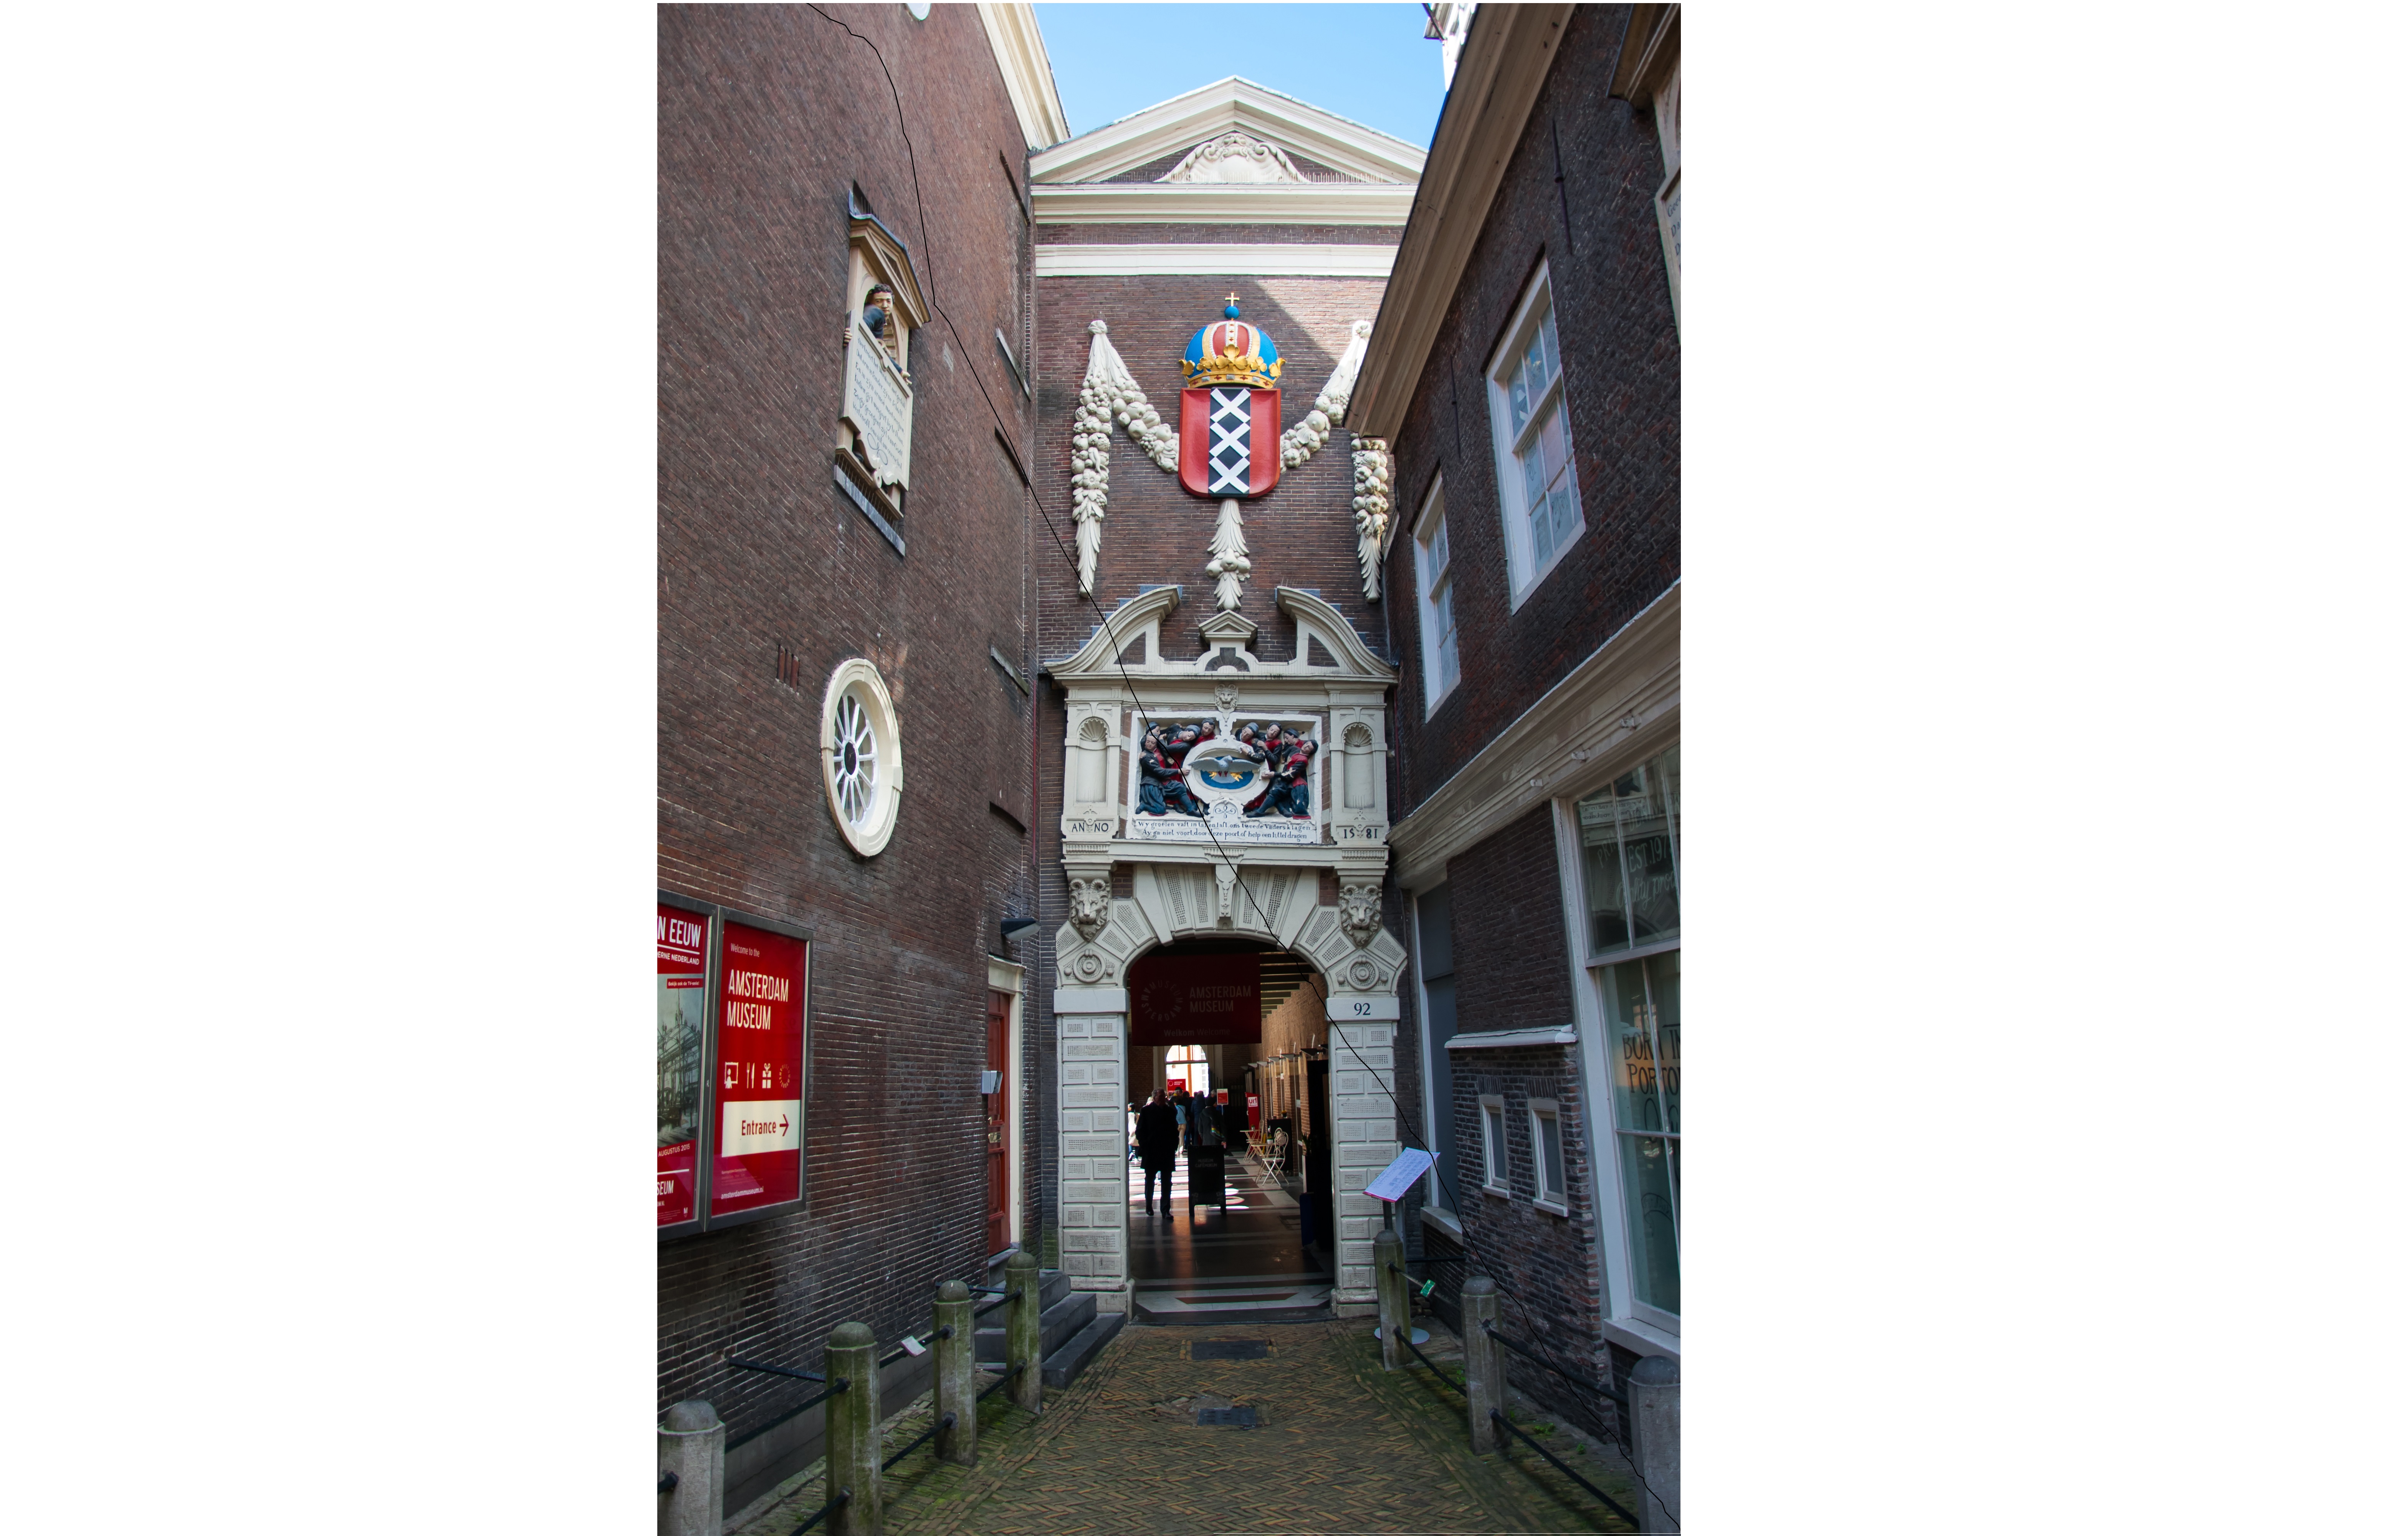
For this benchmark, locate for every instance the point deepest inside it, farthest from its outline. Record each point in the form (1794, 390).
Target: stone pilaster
(1362, 1082)
(1094, 1155)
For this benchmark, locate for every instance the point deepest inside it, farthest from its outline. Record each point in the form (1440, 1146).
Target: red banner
(758, 1157)
(1196, 999)
(677, 937)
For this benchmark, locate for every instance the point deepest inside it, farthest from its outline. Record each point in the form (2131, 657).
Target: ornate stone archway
(1236, 880)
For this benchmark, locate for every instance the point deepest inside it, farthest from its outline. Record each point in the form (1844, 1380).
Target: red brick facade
(768, 118)
(1597, 232)
(1622, 374)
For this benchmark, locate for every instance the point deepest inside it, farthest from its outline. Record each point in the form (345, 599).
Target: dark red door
(999, 1123)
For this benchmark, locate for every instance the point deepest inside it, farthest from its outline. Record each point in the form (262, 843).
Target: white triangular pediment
(1188, 123)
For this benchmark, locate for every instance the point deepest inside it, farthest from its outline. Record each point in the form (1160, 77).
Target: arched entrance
(1247, 1233)
(1346, 967)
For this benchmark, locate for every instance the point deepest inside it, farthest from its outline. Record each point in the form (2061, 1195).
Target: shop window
(1547, 1143)
(1536, 481)
(861, 756)
(1441, 666)
(1643, 1011)
(1630, 853)
(1494, 1176)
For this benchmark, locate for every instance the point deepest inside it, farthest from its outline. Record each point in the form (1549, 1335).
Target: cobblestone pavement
(1338, 1445)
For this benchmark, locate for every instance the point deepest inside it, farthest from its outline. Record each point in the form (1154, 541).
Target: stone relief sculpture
(1304, 439)
(1230, 372)
(1373, 470)
(1091, 905)
(1235, 156)
(1358, 911)
(1108, 394)
(1162, 769)
(1287, 764)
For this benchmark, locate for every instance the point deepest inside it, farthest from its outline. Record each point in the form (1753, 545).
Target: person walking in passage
(1157, 1146)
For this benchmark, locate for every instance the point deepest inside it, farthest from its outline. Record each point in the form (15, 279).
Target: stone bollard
(1023, 1335)
(1655, 1392)
(853, 1443)
(956, 1348)
(1396, 1300)
(1483, 1362)
(693, 1449)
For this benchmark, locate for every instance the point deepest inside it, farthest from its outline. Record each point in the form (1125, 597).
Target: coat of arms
(1229, 410)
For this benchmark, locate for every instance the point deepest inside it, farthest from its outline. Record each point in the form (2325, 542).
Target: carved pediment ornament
(1235, 157)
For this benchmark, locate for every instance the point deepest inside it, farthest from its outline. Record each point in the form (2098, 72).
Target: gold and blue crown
(1230, 352)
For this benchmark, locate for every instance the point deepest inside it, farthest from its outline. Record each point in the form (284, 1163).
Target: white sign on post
(1397, 1178)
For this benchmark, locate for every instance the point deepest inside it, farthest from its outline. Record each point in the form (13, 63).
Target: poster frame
(716, 919)
(705, 1132)
(725, 915)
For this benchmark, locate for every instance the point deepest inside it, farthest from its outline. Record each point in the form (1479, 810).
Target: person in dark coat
(1157, 1147)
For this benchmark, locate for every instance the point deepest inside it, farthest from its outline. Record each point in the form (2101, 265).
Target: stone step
(1056, 1323)
(1062, 1366)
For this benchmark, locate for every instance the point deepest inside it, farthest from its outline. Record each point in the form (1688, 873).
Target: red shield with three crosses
(1228, 440)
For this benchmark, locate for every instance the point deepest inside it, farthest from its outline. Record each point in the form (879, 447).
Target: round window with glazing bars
(861, 753)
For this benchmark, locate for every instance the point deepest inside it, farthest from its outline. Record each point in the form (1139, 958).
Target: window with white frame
(1631, 868)
(1441, 667)
(1536, 482)
(1547, 1146)
(1492, 1174)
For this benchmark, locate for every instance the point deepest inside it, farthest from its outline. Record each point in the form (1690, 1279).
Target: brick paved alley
(1338, 1445)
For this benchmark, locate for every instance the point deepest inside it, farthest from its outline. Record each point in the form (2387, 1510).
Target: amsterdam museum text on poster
(758, 1160)
(678, 944)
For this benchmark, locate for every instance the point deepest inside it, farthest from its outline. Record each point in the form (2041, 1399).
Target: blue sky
(1368, 62)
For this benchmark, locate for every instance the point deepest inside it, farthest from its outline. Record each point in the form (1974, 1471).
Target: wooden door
(999, 1122)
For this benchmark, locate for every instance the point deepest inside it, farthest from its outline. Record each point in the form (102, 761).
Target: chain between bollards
(1515, 1431)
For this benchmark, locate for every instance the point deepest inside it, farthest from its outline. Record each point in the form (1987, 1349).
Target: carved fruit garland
(1108, 394)
(1373, 469)
(1304, 439)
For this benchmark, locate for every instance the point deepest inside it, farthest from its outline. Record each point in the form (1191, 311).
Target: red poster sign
(678, 939)
(759, 1156)
(1174, 1084)
(1196, 999)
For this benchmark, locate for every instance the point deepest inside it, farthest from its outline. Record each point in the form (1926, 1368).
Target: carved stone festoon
(1109, 396)
(1287, 762)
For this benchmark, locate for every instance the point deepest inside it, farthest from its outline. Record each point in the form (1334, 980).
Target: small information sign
(1397, 1178)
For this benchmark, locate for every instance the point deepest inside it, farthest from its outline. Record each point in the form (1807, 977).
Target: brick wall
(1301, 535)
(766, 116)
(1622, 374)
(1512, 970)
(1545, 1266)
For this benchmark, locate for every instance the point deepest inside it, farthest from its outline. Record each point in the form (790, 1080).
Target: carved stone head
(1091, 905)
(1358, 911)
